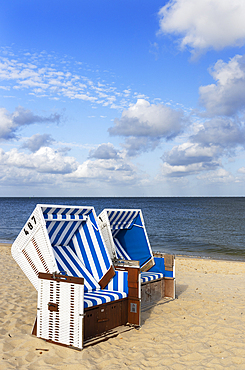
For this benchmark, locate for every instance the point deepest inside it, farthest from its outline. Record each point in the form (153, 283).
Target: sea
(207, 227)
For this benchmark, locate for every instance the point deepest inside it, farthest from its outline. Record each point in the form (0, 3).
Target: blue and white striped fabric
(91, 250)
(56, 211)
(119, 283)
(77, 228)
(102, 296)
(68, 261)
(120, 251)
(62, 223)
(150, 276)
(120, 219)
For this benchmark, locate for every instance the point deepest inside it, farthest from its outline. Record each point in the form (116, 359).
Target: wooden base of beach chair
(169, 291)
(102, 318)
(153, 291)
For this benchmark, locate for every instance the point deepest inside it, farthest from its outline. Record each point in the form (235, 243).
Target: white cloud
(46, 75)
(218, 176)
(180, 171)
(241, 170)
(204, 24)
(145, 124)
(104, 151)
(190, 163)
(204, 150)
(55, 167)
(10, 123)
(35, 142)
(45, 160)
(108, 171)
(225, 133)
(189, 153)
(227, 96)
(136, 145)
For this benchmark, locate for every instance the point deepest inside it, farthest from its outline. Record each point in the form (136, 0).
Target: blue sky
(122, 98)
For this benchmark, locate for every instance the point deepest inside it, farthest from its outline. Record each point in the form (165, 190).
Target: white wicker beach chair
(59, 241)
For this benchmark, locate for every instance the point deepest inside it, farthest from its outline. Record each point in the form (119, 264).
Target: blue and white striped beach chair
(126, 238)
(67, 240)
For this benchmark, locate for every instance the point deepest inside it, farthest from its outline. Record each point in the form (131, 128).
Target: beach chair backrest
(125, 235)
(51, 228)
(70, 264)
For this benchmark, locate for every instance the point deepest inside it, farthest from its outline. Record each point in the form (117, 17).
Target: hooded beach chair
(80, 293)
(126, 238)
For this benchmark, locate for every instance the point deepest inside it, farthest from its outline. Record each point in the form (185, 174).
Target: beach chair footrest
(105, 317)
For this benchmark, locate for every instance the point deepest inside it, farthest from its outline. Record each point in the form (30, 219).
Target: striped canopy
(125, 235)
(53, 233)
(122, 219)
(77, 228)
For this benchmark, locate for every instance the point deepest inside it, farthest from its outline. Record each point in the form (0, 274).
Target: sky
(122, 98)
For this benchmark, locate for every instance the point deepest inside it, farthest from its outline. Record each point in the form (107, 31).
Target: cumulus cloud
(241, 170)
(45, 160)
(185, 170)
(136, 145)
(223, 132)
(35, 142)
(145, 124)
(111, 171)
(49, 166)
(189, 153)
(203, 152)
(104, 151)
(188, 158)
(204, 24)
(218, 176)
(227, 95)
(11, 122)
(145, 119)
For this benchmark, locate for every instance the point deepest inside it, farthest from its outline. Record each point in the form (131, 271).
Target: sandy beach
(203, 328)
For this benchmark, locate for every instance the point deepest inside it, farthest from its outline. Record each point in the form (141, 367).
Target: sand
(204, 328)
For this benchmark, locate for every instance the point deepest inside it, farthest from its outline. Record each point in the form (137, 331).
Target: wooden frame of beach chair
(159, 281)
(126, 238)
(63, 238)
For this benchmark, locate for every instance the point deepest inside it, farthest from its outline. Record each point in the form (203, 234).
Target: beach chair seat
(151, 276)
(115, 290)
(145, 276)
(99, 297)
